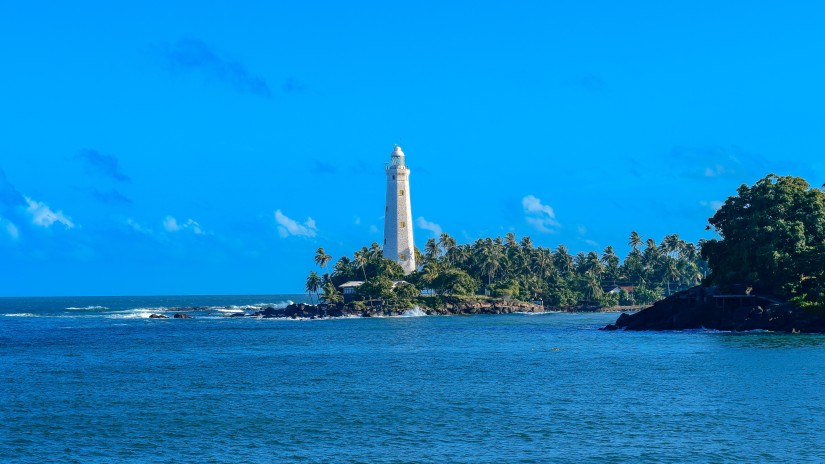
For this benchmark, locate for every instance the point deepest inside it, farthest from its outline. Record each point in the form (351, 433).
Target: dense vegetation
(772, 239)
(511, 268)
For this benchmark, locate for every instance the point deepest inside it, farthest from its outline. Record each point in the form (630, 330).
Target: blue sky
(211, 147)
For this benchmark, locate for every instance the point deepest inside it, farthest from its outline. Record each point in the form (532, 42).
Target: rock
(711, 308)
(182, 316)
(237, 314)
(157, 316)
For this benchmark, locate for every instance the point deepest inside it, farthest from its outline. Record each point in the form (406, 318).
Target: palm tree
(526, 243)
(375, 251)
(611, 263)
(361, 260)
(341, 266)
(313, 284)
(321, 258)
(635, 240)
(491, 259)
(447, 244)
(510, 240)
(563, 260)
(419, 258)
(429, 273)
(593, 285)
(431, 251)
(331, 294)
(543, 263)
(671, 244)
(671, 272)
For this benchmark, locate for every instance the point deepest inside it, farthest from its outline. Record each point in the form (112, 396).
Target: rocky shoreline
(324, 311)
(715, 308)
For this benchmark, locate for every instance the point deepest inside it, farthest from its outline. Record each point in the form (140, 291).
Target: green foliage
(379, 287)
(608, 300)
(626, 298)
(313, 283)
(773, 238)
(406, 291)
(643, 295)
(454, 281)
(331, 294)
(562, 297)
(509, 266)
(508, 289)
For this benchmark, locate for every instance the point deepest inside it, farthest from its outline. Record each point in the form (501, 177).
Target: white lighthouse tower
(398, 232)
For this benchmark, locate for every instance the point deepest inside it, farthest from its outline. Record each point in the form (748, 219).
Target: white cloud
(712, 204)
(196, 228)
(373, 229)
(714, 171)
(10, 228)
(137, 227)
(357, 221)
(427, 225)
(171, 225)
(592, 242)
(43, 216)
(287, 226)
(539, 215)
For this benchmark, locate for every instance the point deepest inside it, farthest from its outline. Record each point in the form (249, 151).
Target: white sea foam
(279, 305)
(87, 308)
(413, 312)
(137, 313)
(250, 307)
(21, 315)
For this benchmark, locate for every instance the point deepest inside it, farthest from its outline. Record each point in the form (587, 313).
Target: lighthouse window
(400, 193)
(403, 224)
(403, 257)
(393, 177)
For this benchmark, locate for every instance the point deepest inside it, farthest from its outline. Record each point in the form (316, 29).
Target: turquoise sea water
(102, 383)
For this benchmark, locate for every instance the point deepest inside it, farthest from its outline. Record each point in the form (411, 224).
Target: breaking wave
(413, 312)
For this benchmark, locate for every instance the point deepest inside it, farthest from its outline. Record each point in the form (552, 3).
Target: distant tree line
(510, 268)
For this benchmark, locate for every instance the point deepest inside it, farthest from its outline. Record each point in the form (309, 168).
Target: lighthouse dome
(397, 157)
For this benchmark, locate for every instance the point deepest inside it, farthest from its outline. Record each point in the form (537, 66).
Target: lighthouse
(398, 232)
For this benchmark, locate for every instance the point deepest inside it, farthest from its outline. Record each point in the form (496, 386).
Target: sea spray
(415, 311)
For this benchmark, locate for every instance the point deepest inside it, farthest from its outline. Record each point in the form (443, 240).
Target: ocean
(94, 380)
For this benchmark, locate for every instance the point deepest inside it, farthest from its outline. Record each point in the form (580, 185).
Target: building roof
(619, 288)
(358, 283)
(351, 283)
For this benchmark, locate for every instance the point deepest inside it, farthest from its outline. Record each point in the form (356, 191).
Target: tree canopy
(511, 268)
(772, 238)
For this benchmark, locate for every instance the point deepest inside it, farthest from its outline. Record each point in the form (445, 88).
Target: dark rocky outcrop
(182, 316)
(722, 309)
(454, 306)
(157, 316)
(465, 307)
